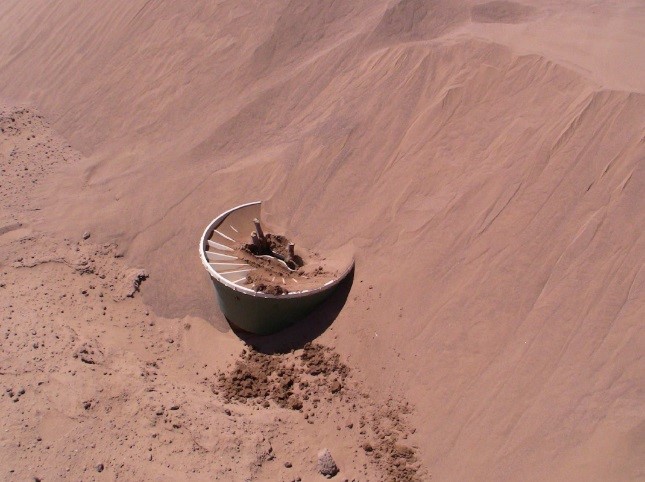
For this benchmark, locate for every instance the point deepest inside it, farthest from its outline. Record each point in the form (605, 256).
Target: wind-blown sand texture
(486, 160)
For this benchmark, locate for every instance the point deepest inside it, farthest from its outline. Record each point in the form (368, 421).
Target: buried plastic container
(264, 283)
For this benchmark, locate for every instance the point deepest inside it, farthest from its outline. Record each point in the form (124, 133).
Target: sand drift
(263, 282)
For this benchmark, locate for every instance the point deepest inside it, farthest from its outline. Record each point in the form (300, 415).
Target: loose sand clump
(310, 381)
(276, 246)
(279, 269)
(387, 450)
(315, 372)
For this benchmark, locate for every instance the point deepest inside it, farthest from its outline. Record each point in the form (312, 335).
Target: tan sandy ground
(486, 160)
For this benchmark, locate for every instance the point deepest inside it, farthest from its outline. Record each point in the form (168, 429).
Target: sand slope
(486, 161)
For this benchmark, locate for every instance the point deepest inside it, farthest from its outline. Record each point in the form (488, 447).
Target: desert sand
(485, 161)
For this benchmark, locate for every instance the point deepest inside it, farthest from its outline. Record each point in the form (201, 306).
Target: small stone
(326, 464)
(288, 465)
(174, 407)
(100, 467)
(86, 235)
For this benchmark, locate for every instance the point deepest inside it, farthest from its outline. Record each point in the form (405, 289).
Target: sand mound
(310, 380)
(484, 158)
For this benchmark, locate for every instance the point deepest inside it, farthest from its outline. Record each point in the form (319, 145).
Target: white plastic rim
(203, 247)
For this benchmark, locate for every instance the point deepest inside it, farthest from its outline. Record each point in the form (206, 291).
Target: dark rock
(335, 386)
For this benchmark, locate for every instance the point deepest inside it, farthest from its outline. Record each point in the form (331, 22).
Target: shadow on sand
(305, 330)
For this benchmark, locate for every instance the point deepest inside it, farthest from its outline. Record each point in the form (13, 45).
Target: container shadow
(305, 330)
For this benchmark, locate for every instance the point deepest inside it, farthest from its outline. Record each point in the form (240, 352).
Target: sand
(484, 159)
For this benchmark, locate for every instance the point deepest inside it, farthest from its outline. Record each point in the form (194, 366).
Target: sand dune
(485, 159)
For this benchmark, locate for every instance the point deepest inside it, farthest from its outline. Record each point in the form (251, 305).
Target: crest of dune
(484, 159)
